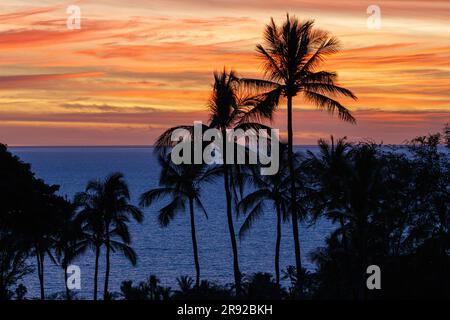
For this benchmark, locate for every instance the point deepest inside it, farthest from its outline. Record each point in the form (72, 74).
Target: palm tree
(292, 54)
(40, 225)
(359, 187)
(92, 225)
(269, 188)
(181, 183)
(229, 107)
(66, 240)
(330, 168)
(106, 213)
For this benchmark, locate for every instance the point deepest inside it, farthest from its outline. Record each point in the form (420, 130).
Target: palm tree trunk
(108, 253)
(97, 255)
(194, 243)
(237, 272)
(40, 265)
(298, 262)
(277, 246)
(65, 281)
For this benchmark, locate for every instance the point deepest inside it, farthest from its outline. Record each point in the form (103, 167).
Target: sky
(137, 67)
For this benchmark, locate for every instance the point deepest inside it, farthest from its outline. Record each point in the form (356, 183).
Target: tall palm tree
(181, 183)
(291, 54)
(92, 225)
(229, 107)
(269, 188)
(107, 211)
(66, 240)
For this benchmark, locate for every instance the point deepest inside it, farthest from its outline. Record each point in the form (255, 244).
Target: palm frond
(253, 199)
(326, 45)
(167, 213)
(165, 139)
(253, 215)
(324, 88)
(126, 250)
(331, 105)
(150, 197)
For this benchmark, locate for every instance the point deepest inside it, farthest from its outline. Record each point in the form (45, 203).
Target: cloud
(37, 80)
(14, 16)
(108, 108)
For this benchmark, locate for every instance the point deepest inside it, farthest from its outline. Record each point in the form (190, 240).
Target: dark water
(166, 252)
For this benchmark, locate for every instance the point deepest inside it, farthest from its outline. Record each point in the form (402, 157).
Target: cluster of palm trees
(389, 208)
(37, 223)
(291, 55)
(97, 218)
(102, 222)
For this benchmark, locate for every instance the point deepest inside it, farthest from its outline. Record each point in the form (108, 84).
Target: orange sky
(137, 67)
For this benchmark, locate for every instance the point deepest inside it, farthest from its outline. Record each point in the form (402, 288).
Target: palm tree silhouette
(181, 183)
(41, 226)
(92, 225)
(67, 239)
(269, 188)
(230, 106)
(106, 212)
(359, 189)
(330, 168)
(292, 53)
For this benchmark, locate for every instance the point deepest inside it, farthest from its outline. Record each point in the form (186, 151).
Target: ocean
(164, 252)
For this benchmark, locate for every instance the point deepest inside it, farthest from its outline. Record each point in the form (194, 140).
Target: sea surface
(164, 252)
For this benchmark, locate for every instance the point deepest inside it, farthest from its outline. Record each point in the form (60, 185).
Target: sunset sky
(137, 67)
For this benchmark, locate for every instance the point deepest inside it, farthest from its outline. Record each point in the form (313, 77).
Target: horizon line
(138, 146)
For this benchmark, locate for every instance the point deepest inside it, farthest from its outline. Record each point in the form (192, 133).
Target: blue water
(165, 252)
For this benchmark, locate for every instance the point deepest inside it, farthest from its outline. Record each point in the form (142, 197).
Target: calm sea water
(164, 252)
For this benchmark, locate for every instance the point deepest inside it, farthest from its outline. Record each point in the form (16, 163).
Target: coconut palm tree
(66, 240)
(91, 221)
(329, 169)
(39, 226)
(291, 54)
(106, 212)
(230, 107)
(268, 188)
(181, 183)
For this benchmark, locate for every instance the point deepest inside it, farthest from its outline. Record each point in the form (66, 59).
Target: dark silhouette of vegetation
(67, 240)
(447, 135)
(268, 188)
(389, 207)
(29, 219)
(181, 184)
(105, 214)
(148, 290)
(230, 107)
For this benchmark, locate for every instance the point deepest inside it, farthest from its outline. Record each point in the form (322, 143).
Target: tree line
(389, 205)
